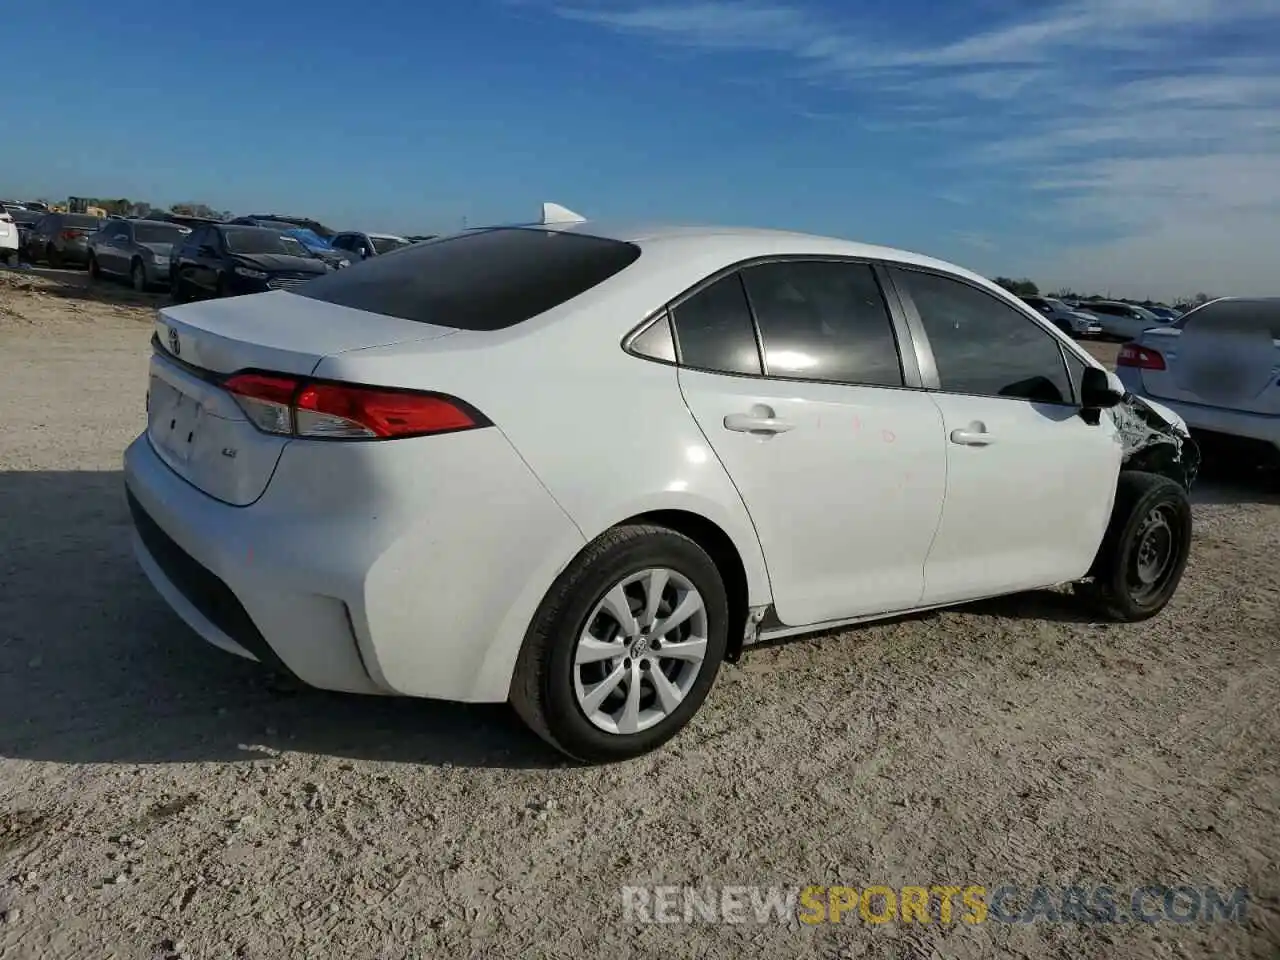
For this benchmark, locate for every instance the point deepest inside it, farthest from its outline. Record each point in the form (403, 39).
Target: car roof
(734, 244)
(383, 236)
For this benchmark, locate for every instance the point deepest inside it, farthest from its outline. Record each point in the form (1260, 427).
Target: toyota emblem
(175, 345)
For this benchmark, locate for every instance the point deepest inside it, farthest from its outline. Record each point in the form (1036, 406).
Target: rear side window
(714, 329)
(484, 280)
(824, 320)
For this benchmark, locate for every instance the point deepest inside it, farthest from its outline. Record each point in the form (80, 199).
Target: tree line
(124, 207)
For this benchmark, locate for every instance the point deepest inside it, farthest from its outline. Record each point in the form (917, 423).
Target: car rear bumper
(425, 594)
(1214, 420)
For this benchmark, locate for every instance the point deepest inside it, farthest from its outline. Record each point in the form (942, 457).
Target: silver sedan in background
(137, 249)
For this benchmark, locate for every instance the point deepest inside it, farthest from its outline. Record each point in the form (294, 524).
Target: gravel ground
(160, 798)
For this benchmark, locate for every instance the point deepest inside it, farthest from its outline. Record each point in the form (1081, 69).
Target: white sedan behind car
(576, 466)
(1218, 367)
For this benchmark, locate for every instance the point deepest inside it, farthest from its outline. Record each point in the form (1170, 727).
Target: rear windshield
(80, 220)
(483, 280)
(1236, 314)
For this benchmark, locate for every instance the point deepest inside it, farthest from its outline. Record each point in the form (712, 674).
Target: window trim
(898, 322)
(924, 349)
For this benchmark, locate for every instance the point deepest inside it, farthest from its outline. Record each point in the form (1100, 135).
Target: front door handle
(760, 420)
(975, 436)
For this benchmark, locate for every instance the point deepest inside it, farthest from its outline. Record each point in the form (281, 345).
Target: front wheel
(1144, 551)
(138, 276)
(95, 271)
(625, 647)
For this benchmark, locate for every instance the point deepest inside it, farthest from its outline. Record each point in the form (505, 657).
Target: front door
(841, 467)
(1030, 482)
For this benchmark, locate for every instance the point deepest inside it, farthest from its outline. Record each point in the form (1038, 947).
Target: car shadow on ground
(70, 284)
(95, 668)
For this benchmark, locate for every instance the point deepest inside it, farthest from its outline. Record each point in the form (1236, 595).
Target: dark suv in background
(61, 239)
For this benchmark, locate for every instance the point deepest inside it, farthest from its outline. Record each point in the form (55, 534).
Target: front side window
(982, 346)
(714, 329)
(824, 320)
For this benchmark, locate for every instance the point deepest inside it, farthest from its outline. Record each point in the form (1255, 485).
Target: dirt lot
(159, 797)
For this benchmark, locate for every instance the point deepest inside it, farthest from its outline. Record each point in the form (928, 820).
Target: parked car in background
(1074, 323)
(61, 239)
(9, 242)
(362, 246)
(182, 219)
(1165, 313)
(333, 476)
(422, 238)
(227, 260)
(306, 222)
(25, 220)
(39, 205)
(1218, 367)
(1122, 321)
(137, 249)
(315, 244)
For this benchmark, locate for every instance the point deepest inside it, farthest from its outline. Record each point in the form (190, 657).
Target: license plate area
(173, 419)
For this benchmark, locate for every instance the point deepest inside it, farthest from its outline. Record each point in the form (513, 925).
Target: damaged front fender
(1154, 444)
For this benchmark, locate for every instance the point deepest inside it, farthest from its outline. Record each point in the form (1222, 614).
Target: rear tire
(1144, 551)
(95, 271)
(138, 276)
(584, 680)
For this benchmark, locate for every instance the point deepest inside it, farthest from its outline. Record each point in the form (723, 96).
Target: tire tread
(531, 665)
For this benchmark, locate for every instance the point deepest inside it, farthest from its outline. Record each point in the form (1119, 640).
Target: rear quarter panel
(607, 433)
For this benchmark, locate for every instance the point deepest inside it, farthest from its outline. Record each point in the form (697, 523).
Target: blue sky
(1129, 145)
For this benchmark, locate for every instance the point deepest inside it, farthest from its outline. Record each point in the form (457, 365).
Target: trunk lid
(196, 427)
(1235, 370)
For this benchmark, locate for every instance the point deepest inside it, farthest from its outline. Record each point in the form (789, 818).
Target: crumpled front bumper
(1156, 440)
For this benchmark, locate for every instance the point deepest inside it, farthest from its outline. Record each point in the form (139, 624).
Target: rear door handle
(751, 423)
(972, 437)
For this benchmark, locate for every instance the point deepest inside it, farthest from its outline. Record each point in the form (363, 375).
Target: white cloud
(1124, 116)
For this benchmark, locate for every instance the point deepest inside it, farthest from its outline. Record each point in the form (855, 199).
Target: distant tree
(197, 210)
(1200, 299)
(1019, 288)
(1065, 293)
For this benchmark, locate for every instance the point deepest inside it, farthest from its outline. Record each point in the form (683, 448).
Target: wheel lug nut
(627, 663)
(644, 665)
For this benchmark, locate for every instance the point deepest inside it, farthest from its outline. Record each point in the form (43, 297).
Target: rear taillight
(325, 410)
(72, 234)
(1132, 355)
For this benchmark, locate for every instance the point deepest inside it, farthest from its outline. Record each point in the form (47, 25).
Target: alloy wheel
(641, 651)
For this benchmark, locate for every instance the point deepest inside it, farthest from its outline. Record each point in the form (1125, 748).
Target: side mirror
(1097, 391)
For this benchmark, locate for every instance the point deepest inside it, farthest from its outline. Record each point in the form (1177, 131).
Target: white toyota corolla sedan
(576, 466)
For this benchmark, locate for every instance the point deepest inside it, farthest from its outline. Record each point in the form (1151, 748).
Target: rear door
(111, 249)
(1029, 482)
(1225, 354)
(839, 459)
